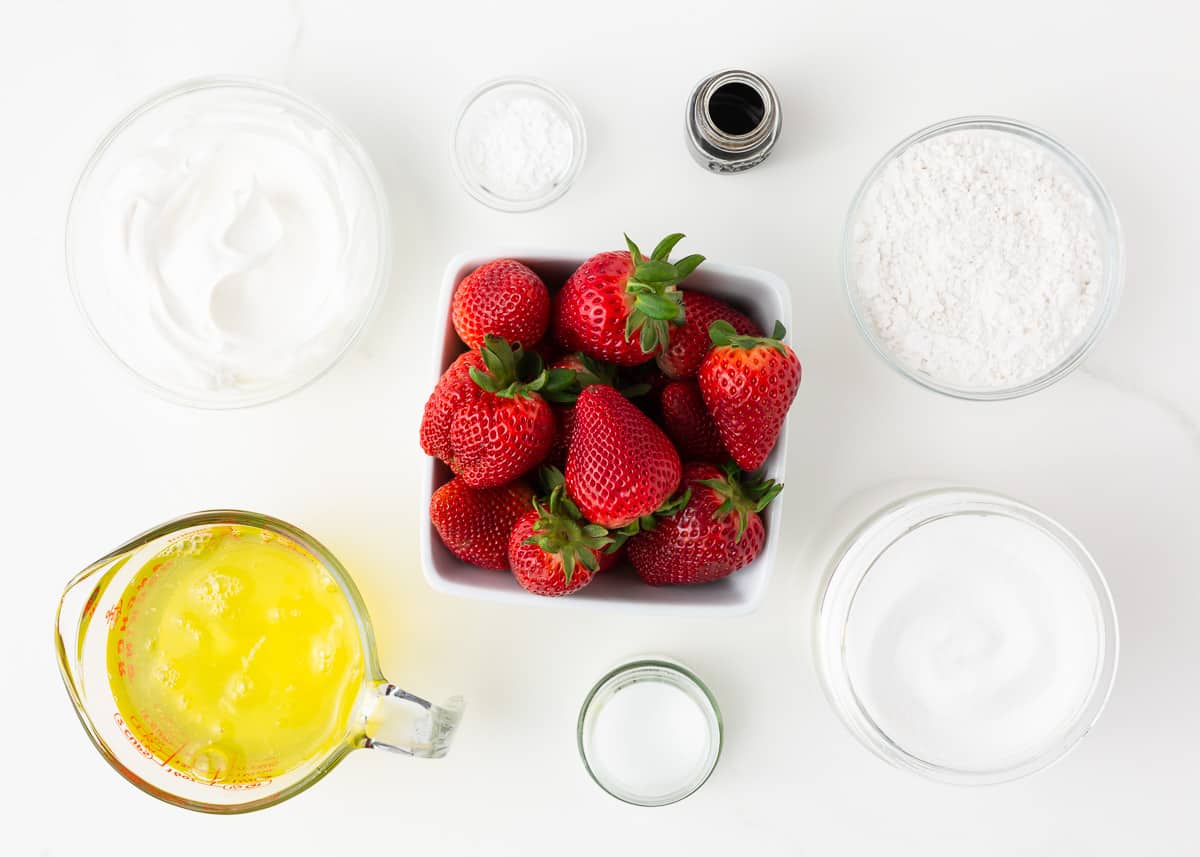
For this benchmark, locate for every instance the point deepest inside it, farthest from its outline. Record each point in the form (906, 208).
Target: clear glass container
(487, 105)
(1108, 231)
(384, 717)
(128, 320)
(849, 575)
(688, 772)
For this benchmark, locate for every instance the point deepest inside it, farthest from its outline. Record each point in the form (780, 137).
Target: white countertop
(1113, 452)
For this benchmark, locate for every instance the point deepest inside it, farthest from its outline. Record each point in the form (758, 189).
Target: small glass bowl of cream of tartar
(982, 258)
(518, 144)
(228, 242)
(650, 732)
(966, 637)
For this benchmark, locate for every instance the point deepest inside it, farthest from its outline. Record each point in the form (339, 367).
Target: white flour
(520, 148)
(977, 260)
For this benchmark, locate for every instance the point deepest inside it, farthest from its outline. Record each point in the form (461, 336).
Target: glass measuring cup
(383, 716)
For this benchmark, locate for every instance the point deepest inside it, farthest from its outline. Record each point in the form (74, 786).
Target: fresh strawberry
(454, 389)
(474, 523)
(564, 420)
(587, 372)
(748, 384)
(552, 550)
(501, 298)
(620, 465)
(688, 424)
(507, 428)
(715, 534)
(690, 342)
(619, 306)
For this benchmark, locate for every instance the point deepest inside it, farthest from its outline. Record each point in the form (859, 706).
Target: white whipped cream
(239, 240)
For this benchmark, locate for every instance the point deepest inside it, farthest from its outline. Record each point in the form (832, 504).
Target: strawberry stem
(723, 333)
(561, 530)
(511, 370)
(742, 497)
(657, 303)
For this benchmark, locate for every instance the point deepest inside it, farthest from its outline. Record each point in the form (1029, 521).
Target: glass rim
(318, 767)
(1113, 247)
(681, 677)
(574, 120)
(362, 161)
(844, 575)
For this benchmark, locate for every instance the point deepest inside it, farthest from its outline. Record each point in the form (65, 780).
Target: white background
(89, 459)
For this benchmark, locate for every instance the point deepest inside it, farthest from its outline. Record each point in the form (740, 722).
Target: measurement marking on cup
(174, 753)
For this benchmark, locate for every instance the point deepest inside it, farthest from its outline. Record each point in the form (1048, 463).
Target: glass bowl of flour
(982, 259)
(228, 242)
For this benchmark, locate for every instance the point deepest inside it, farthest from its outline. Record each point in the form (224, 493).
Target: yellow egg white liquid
(235, 656)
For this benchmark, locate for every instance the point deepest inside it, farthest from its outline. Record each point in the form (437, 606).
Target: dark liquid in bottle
(736, 109)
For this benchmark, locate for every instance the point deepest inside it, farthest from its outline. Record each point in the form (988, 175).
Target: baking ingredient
(518, 148)
(715, 534)
(690, 342)
(239, 239)
(503, 298)
(620, 465)
(234, 656)
(587, 372)
(508, 428)
(620, 310)
(649, 739)
(454, 389)
(973, 642)
(474, 523)
(748, 384)
(689, 425)
(976, 259)
(551, 549)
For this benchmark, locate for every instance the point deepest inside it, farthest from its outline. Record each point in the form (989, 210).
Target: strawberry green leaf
(721, 332)
(658, 306)
(664, 247)
(634, 252)
(685, 266)
(655, 272)
(631, 325)
(648, 337)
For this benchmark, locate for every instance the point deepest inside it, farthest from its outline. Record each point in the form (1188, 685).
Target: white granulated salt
(520, 148)
(976, 259)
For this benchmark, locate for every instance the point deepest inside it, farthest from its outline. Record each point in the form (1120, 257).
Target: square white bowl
(759, 294)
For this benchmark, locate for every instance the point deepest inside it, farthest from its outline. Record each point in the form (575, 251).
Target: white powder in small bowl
(650, 739)
(518, 145)
(976, 259)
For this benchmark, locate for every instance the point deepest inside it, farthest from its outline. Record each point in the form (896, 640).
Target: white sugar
(650, 739)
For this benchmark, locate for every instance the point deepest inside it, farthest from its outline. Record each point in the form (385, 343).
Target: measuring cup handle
(405, 723)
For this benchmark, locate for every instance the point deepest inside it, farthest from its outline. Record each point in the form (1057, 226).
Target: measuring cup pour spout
(405, 723)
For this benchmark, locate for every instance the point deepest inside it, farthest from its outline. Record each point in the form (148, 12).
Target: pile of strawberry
(641, 418)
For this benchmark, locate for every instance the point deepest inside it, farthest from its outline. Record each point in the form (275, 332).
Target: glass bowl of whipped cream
(227, 242)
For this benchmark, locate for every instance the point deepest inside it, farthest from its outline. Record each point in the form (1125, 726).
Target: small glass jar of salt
(650, 732)
(518, 144)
